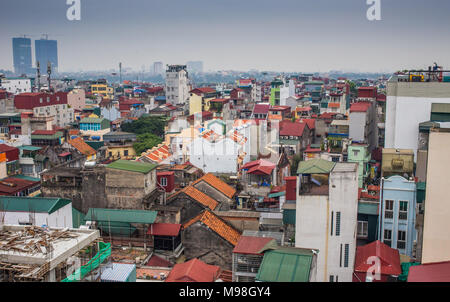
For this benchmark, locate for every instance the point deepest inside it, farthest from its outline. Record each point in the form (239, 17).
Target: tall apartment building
(46, 51)
(407, 105)
(326, 216)
(46, 105)
(363, 126)
(177, 90)
(158, 68)
(22, 56)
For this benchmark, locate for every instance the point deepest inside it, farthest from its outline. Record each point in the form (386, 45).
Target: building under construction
(31, 253)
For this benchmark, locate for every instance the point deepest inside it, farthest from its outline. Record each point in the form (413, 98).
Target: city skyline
(308, 36)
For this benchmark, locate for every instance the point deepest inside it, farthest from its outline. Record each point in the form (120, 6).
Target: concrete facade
(436, 239)
(328, 222)
(407, 105)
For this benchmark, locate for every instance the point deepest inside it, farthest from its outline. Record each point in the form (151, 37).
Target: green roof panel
(133, 166)
(315, 166)
(285, 265)
(32, 204)
(116, 215)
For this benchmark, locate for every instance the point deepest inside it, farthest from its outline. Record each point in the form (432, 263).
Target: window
(403, 210)
(346, 255)
(125, 152)
(338, 223)
(331, 278)
(164, 181)
(40, 100)
(340, 256)
(387, 237)
(332, 222)
(389, 209)
(401, 240)
(363, 228)
(355, 152)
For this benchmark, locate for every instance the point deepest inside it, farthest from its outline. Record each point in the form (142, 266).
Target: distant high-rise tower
(158, 68)
(22, 55)
(47, 51)
(195, 66)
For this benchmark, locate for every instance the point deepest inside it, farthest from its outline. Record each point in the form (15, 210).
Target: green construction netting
(103, 253)
(405, 270)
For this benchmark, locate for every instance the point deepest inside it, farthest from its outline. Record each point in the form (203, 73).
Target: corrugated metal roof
(133, 166)
(164, 229)
(253, 245)
(390, 258)
(32, 204)
(430, 272)
(285, 265)
(315, 166)
(116, 215)
(120, 272)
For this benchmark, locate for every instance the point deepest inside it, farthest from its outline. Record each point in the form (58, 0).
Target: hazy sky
(282, 35)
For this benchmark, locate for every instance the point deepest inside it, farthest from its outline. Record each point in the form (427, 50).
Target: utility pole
(49, 72)
(38, 70)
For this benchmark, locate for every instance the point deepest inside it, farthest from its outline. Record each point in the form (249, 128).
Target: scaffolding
(30, 253)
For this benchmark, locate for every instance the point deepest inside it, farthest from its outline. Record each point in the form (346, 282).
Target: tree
(146, 141)
(295, 162)
(148, 124)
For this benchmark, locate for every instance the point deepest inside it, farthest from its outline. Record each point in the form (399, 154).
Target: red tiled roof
(390, 258)
(218, 184)
(217, 224)
(310, 122)
(259, 167)
(202, 90)
(198, 196)
(194, 270)
(303, 109)
(261, 108)
(157, 261)
(251, 245)
(17, 185)
(327, 115)
(360, 106)
(430, 272)
(6, 148)
(288, 128)
(164, 229)
(79, 144)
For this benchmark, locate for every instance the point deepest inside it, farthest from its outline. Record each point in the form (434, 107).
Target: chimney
(291, 186)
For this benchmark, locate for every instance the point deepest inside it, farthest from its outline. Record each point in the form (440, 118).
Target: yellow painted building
(123, 152)
(103, 90)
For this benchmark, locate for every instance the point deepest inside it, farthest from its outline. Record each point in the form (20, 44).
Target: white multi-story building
(326, 216)
(16, 85)
(407, 105)
(177, 90)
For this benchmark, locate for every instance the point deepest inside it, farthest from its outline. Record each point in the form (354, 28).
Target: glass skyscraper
(46, 51)
(22, 56)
